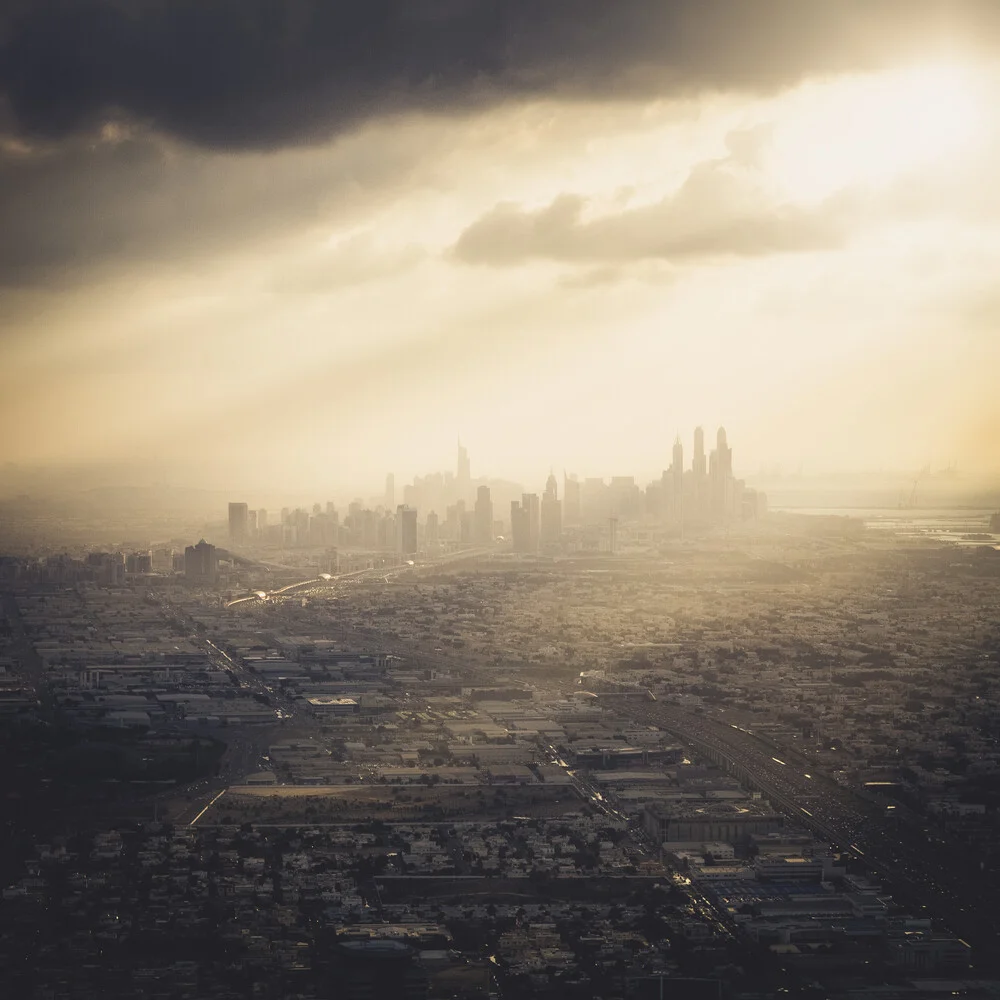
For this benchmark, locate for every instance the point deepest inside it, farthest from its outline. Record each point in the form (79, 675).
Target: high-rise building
(572, 513)
(595, 502)
(467, 527)
(406, 530)
(699, 473)
(261, 520)
(201, 563)
(382, 532)
(483, 516)
(453, 521)
(139, 562)
(677, 479)
(720, 476)
(551, 512)
(464, 471)
(529, 501)
(519, 530)
(725, 452)
(623, 497)
(698, 466)
(113, 568)
(389, 501)
(251, 524)
(431, 530)
(163, 560)
(237, 523)
(322, 531)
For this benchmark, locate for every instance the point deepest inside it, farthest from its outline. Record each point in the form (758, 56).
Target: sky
(251, 242)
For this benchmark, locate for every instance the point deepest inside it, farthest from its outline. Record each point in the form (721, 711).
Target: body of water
(955, 526)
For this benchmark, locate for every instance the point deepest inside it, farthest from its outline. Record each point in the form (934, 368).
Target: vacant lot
(356, 804)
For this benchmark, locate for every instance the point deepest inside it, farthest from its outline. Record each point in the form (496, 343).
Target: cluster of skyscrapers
(704, 493)
(707, 491)
(361, 527)
(534, 522)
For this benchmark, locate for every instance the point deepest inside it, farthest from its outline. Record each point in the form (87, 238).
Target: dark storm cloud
(262, 73)
(75, 209)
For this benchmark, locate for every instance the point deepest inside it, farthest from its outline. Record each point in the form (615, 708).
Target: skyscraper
(725, 452)
(389, 500)
(529, 501)
(237, 523)
(483, 516)
(721, 477)
(698, 464)
(677, 479)
(571, 499)
(699, 471)
(464, 471)
(551, 513)
(431, 530)
(200, 562)
(518, 526)
(406, 530)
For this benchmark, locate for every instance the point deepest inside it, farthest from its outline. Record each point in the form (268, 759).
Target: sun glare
(871, 129)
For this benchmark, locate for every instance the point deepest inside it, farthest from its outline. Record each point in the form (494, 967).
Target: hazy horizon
(304, 267)
(198, 490)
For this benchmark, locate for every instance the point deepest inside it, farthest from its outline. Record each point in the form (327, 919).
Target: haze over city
(499, 499)
(287, 261)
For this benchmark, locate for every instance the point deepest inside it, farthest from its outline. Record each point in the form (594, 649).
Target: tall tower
(725, 452)
(464, 471)
(483, 516)
(389, 501)
(677, 479)
(406, 530)
(238, 523)
(699, 471)
(532, 508)
(698, 464)
(519, 526)
(572, 512)
(551, 527)
(201, 562)
(721, 476)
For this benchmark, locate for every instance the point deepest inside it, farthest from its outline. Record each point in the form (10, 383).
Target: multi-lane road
(325, 581)
(898, 851)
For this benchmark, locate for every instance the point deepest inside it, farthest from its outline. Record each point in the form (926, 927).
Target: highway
(245, 745)
(700, 904)
(31, 669)
(327, 580)
(898, 851)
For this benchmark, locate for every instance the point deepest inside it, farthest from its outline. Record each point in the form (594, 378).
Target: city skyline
(455, 509)
(500, 499)
(459, 484)
(798, 245)
(347, 485)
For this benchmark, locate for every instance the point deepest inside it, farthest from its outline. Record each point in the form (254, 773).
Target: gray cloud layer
(266, 73)
(716, 212)
(79, 207)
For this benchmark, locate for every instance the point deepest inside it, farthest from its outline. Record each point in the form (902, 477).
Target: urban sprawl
(602, 741)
